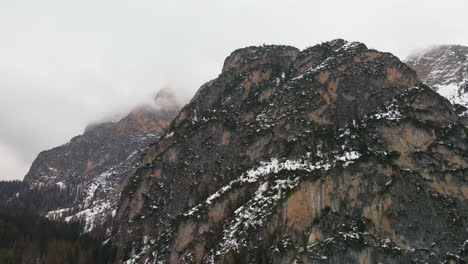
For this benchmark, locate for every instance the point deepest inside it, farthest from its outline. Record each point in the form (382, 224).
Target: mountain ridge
(444, 68)
(247, 170)
(92, 167)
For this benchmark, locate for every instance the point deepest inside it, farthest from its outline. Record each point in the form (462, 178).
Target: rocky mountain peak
(146, 119)
(444, 60)
(333, 153)
(313, 56)
(445, 69)
(92, 167)
(254, 74)
(244, 59)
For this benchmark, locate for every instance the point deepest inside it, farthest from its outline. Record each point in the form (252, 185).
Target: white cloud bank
(10, 166)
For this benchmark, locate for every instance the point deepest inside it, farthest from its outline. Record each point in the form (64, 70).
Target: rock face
(92, 167)
(334, 154)
(444, 68)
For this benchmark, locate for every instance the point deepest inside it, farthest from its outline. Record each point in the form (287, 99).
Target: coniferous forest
(26, 237)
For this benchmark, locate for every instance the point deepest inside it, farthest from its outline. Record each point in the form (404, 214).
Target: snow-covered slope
(445, 69)
(99, 195)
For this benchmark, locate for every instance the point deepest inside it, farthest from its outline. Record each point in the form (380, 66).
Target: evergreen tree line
(27, 237)
(17, 198)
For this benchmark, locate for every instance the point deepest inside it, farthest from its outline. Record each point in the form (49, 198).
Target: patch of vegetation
(33, 239)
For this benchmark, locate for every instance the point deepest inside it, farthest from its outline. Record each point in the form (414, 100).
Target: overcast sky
(64, 64)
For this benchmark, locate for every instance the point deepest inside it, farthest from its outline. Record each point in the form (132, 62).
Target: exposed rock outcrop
(92, 167)
(334, 154)
(445, 69)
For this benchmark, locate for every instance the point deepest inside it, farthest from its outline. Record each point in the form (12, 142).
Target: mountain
(444, 68)
(91, 168)
(333, 154)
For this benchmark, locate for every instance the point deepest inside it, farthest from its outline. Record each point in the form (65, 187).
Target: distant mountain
(333, 154)
(445, 69)
(92, 167)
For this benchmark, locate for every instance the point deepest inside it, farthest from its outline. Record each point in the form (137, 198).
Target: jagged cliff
(333, 154)
(445, 69)
(91, 167)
